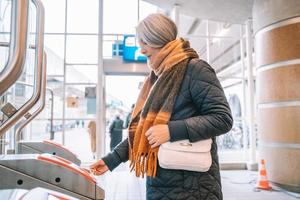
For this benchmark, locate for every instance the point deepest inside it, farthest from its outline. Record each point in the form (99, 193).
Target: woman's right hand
(99, 168)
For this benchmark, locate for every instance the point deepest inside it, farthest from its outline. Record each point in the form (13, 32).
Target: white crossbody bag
(185, 155)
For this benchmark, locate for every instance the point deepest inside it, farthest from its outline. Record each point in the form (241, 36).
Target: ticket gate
(47, 146)
(12, 194)
(34, 194)
(27, 171)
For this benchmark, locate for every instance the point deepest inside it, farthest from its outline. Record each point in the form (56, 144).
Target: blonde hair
(156, 30)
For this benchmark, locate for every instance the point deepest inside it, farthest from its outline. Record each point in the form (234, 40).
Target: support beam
(194, 26)
(252, 134)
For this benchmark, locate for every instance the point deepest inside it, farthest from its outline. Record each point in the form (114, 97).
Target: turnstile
(47, 146)
(27, 171)
(12, 194)
(34, 194)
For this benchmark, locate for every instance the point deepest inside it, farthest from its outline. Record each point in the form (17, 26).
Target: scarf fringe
(144, 163)
(152, 164)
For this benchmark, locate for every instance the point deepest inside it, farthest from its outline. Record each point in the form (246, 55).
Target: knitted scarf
(155, 103)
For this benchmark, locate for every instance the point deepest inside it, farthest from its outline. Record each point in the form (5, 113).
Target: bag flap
(186, 145)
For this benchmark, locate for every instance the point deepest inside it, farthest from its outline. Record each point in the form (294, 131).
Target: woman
(181, 99)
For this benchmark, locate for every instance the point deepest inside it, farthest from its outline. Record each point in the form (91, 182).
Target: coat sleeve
(119, 155)
(208, 97)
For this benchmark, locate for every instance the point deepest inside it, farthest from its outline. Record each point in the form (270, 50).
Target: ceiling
(232, 11)
(194, 14)
(222, 14)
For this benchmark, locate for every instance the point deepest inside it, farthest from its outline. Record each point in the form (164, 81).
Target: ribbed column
(277, 49)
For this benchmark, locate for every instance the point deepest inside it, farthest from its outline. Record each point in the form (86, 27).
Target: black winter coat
(200, 112)
(116, 132)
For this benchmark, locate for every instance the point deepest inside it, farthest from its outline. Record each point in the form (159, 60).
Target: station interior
(69, 67)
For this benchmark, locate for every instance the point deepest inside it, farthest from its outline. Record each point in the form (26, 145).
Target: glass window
(107, 48)
(82, 49)
(223, 52)
(80, 101)
(199, 44)
(56, 84)
(40, 129)
(124, 89)
(4, 51)
(32, 18)
(54, 16)
(5, 21)
(112, 45)
(26, 81)
(120, 16)
(223, 29)
(54, 47)
(237, 139)
(5, 17)
(82, 16)
(81, 73)
(201, 29)
(20, 90)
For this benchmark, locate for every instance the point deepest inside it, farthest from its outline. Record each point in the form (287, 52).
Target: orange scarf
(155, 103)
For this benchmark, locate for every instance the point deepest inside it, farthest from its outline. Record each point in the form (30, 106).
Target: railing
(51, 99)
(42, 101)
(39, 64)
(17, 56)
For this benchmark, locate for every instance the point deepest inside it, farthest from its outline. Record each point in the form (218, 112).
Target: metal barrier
(17, 56)
(39, 64)
(41, 100)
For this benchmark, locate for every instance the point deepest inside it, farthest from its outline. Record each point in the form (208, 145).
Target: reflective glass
(120, 16)
(40, 130)
(5, 25)
(224, 52)
(54, 16)
(82, 49)
(82, 16)
(224, 29)
(54, 47)
(81, 73)
(110, 45)
(80, 101)
(237, 139)
(56, 84)
(108, 48)
(4, 50)
(199, 44)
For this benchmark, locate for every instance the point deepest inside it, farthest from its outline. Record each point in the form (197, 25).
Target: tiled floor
(122, 185)
(237, 185)
(240, 185)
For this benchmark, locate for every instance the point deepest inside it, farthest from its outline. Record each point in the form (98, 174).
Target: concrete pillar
(277, 49)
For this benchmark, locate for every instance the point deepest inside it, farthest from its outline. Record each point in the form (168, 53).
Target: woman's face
(148, 51)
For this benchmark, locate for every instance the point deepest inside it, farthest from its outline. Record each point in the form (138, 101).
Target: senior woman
(180, 99)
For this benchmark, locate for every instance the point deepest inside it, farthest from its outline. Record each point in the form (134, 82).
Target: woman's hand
(98, 168)
(158, 135)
